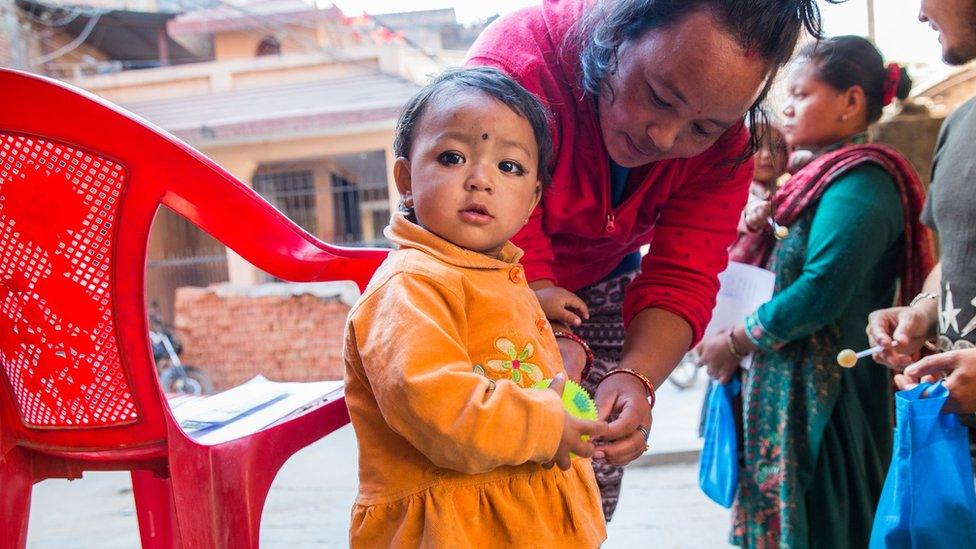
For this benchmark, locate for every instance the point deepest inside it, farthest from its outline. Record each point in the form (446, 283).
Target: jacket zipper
(611, 225)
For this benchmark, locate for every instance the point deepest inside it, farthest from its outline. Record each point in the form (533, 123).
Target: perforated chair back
(80, 182)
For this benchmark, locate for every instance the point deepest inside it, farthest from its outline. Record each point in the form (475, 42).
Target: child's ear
(401, 175)
(535, 199)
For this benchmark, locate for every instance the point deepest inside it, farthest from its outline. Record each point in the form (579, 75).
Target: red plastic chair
(80, 182)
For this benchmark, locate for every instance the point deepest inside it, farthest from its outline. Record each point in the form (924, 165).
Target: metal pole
(15, 34)
(162, 46)
(871, 34)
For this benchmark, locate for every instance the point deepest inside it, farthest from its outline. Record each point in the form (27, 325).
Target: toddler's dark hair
(491, 82)
(845, 61)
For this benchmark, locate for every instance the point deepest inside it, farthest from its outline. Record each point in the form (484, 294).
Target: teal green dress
(817, 437)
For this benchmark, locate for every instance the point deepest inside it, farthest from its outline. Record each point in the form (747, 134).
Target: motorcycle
(174, 375)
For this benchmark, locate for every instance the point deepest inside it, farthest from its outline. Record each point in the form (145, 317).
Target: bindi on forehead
(484, 137)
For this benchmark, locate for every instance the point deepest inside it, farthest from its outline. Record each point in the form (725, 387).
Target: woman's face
(815, 112)
(676, 90)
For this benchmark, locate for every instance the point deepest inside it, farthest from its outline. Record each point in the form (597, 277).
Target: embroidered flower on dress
(514, 366)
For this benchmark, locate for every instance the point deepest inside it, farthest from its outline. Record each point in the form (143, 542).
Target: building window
(292, 193)
(341, 199)
(269, 46)
(346, 210)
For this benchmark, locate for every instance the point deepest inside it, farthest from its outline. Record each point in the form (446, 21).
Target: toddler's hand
(562, 305)
(757, 215)
(573, 431)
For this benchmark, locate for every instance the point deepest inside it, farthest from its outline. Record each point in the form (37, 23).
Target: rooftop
(319, 106)
(255, 14)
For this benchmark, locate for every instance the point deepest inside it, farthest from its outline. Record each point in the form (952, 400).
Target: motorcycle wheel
(194, 381)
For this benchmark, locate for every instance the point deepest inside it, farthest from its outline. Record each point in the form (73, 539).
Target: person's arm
(928, 307)
(410, 339)
(669, 304)
(656, 340)
(679, 274)
(857, 220)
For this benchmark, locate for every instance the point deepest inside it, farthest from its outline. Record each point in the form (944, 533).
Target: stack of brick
(286, 332)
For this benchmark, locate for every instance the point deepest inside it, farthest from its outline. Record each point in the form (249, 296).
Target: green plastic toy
(576, 401)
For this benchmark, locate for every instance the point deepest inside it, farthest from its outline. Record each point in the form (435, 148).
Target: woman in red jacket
(647, 99)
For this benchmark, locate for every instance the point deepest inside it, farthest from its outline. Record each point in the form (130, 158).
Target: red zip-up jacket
(687, 209)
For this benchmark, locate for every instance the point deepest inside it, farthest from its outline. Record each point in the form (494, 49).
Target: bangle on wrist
(586, 349)
(739, 355)
(921, 297)
(651, 398)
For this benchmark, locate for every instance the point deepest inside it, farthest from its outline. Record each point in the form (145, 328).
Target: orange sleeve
(410, 335)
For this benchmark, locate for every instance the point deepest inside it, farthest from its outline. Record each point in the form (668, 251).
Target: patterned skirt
(604, 332)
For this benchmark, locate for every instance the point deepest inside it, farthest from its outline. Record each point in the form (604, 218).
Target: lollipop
(779, 231)
(848, 358)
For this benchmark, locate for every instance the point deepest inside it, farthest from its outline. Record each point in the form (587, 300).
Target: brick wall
(286, 332)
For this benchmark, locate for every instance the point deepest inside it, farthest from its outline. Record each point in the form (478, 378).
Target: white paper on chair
(743, 288)
(249, 407)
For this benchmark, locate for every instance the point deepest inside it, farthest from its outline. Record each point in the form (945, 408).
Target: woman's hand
(715, 355)
(623, 399)
(562, 305)
(573, 431)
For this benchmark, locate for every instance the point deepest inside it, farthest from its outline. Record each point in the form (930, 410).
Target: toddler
(456, 449)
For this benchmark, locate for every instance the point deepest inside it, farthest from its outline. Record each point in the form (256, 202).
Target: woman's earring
(843, 118)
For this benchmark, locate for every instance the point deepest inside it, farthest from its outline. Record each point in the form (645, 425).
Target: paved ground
(309, 503)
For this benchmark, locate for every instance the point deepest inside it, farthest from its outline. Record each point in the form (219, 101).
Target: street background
(309, 503)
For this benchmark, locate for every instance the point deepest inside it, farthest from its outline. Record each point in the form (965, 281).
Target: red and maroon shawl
(804, 189)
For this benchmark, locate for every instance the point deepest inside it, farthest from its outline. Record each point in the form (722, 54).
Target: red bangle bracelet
(651, 398)
(586, 349)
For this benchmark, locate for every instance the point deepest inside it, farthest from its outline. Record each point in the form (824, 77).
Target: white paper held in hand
(743, 288)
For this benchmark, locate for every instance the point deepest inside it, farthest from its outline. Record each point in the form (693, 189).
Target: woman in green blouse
(816, 437)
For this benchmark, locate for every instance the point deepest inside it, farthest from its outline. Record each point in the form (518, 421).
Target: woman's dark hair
(770, 28)
(845, 61)
(488, 81)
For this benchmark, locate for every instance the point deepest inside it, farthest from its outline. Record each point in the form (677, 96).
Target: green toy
(576, 401)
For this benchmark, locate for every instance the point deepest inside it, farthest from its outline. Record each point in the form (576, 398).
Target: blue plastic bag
(928, 499)
(718, 472)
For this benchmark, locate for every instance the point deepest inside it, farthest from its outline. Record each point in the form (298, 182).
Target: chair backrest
(80, 183)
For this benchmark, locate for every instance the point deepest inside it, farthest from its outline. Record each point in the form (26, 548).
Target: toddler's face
(471, 174)
(770, 160)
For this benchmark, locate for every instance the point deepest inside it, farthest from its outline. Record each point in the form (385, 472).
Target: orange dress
(440, 353)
